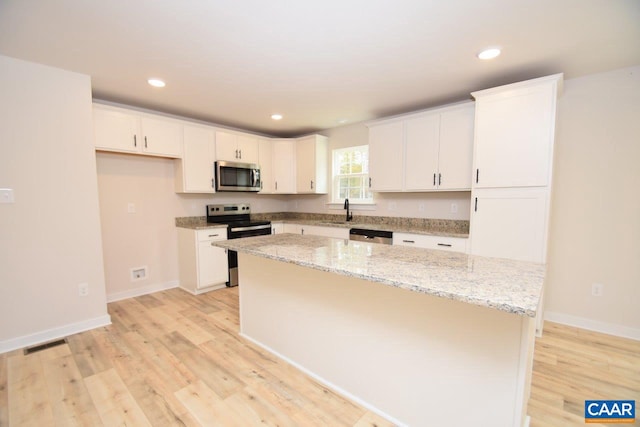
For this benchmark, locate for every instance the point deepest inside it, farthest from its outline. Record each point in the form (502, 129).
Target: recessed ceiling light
(489, 53)
(276, 116)
(156, 83)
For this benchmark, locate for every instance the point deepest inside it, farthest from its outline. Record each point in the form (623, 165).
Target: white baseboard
(53, 334)
(328, 384)
(143, 290)
(593, 325)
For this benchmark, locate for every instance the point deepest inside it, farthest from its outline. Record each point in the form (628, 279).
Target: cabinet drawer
(212, 234)
(455, 244)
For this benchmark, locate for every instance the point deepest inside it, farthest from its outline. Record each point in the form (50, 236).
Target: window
(351, 174)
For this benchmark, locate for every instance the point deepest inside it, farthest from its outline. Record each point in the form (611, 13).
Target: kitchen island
(422, 337)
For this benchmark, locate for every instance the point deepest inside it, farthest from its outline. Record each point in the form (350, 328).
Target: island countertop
(506, 285)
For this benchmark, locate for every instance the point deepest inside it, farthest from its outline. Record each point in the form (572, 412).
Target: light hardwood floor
(173, 359)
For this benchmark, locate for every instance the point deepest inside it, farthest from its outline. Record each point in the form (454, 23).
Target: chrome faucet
(346, 206)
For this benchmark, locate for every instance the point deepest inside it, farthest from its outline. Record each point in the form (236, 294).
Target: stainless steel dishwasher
(372, 236)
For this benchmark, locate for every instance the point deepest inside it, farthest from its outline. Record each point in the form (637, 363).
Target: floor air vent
(44, 346)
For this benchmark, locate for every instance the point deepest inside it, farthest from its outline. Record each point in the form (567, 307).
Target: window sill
(354, 206)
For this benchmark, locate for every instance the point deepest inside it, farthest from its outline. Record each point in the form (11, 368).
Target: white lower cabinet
(203, 267)
(277, 228)
(335, 232)
(316, 230)
(454, 244)
(292, 228)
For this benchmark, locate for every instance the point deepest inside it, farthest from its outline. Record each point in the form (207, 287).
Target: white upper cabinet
(455, 155)
(236, 147)
(514, 135)
(284, 166)
(422, 141)
(128, 131)
(311, 164)
(265, 160)
(427, 151)
(161, 137)
(385, 156)
(194, 172)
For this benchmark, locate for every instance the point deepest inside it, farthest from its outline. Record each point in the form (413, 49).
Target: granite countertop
(505, 285)
(432, 227)
(196, 223)
(368, 226)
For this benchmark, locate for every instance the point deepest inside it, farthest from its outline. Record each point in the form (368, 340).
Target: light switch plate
(6, 195)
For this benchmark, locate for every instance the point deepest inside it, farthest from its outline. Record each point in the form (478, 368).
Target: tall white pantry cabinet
(512, 169)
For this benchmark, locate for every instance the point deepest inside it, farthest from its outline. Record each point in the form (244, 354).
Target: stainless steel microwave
(234, 176)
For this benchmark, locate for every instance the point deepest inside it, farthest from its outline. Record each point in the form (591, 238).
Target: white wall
(595, 218)
(148, 237)
(50, 237)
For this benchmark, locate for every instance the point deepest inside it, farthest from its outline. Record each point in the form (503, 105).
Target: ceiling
(318, 63)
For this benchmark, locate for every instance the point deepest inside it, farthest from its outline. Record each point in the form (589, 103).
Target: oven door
(237, 233)
(234, 176)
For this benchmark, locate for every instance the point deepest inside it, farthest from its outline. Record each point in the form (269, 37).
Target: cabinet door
(116, 130)
(292, 228)
(284, 166)
(385, 156)
(335, 232)
(197, 160)
(455, 158)
(248, 149)
(305, 165)
(213, 265)
(443, 243)
(422, 136)
(226, 147)
(514, 136)
(509, 224)
(161, 137)
(277, 228)
(265, 160)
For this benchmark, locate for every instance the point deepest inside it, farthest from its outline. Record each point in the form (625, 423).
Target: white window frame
(335, 191)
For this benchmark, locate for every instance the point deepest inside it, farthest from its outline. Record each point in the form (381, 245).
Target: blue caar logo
(609, 411)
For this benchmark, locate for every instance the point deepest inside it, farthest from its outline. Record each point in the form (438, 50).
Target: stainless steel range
(237, 217)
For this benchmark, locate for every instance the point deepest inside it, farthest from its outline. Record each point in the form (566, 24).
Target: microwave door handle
(254, 178)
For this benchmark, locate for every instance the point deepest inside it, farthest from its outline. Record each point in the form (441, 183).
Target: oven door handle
(250, 228)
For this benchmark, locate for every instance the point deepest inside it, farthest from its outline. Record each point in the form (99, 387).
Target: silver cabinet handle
(312, 184)
(145, 142)
(439, 179)
(408, 241)
(240, 151)
(213, 183)
(434, 179)
(236, 154)
(369, 182)
(213, 235)
(477, 175)
(135, 141)
(446, 245)
(276, 185)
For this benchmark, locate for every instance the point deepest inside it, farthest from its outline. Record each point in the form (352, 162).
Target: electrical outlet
(422, 207)
(83, 289)
(6, 195)
(597, 289)
(131, 208)
(138, 273)
(392, 206)
(454, 208)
